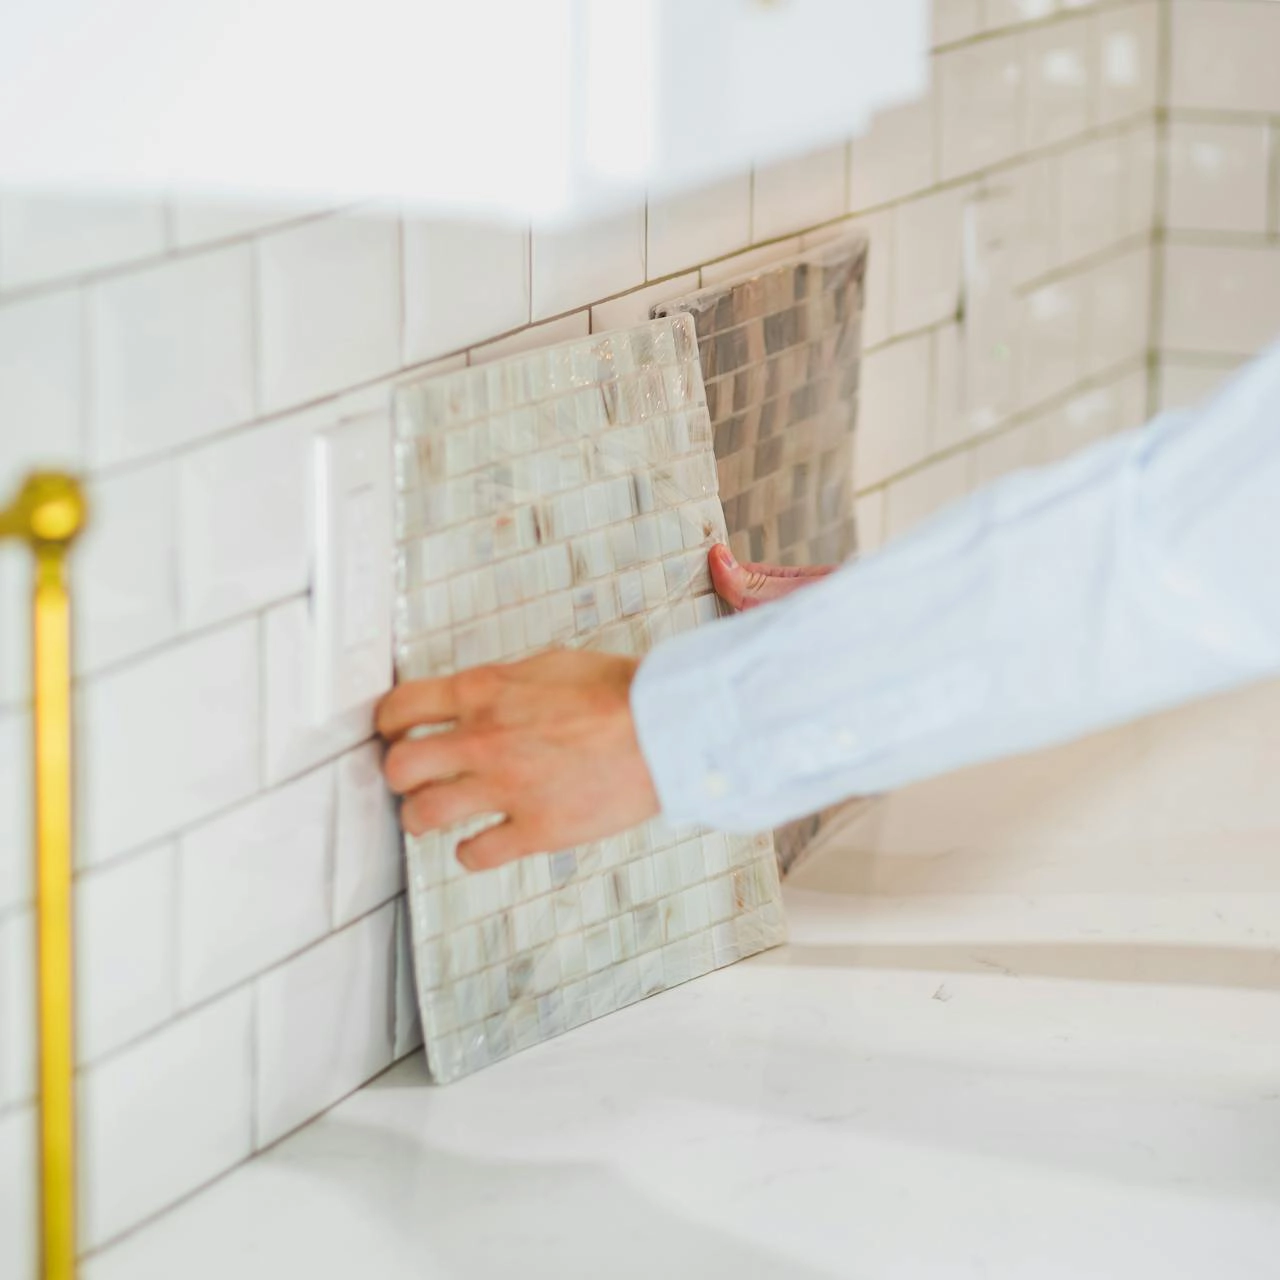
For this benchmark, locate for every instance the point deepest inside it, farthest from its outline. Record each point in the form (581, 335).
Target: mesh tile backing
(564, 497)
(780, 353)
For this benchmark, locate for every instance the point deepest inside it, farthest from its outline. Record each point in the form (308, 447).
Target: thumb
(746, 588)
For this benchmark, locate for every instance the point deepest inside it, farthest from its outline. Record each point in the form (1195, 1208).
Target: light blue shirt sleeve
(1139, 574)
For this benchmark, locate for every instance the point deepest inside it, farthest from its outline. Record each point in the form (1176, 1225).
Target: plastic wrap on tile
(780, 352)
(565, 497)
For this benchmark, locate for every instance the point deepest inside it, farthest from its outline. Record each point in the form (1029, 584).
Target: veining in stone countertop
(925, 1084)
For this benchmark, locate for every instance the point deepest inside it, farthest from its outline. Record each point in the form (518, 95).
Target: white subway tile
(243, 520)
(634, 308)
(1128, 60)
(750, 261)
(325, 1023)
(125, 569)
(48, 235)
(19, 1180)
(293, 741)
(17, 1008)
(1061, 69)
(574, 266)
(198, 220)
(1140, 165)
(408, 1031)
(1218, 176)
(165, 1116)
(688, 229)
(1082, 421)
(926, 287)
(895, 157)
(125, 953)
(1118, 312)
(15, 612)
(869, 512)
(1222, 300)
(894, 409)
(16, 874)
(171, 354)
(464, 282)
(168, 740)
(1009, 13)
(328, 307)
(1092, 195)
(1031, 189)
(955, 20)
(1184, 383)
(253, 886)
(918, 496)
(1050, 339)
(40, 386)
(1133, 397)
(368, 866)
(797, 193)
(980, 88)
(1024, 446)
(952, 422)
(547, 334)
(1224, 55)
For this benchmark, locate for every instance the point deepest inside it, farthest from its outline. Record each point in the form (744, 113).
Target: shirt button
(715, 784)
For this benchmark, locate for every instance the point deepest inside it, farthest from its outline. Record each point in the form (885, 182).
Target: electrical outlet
(351, 597)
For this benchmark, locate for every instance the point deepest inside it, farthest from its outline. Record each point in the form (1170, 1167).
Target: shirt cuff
(688, 725)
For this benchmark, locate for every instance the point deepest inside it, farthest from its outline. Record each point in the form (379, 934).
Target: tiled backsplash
(1027, 231)
(1218, 295)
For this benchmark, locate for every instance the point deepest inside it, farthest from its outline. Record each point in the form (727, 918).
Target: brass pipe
(49, 513)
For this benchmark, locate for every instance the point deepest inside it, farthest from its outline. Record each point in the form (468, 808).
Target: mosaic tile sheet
(780, 353)
(564, 497)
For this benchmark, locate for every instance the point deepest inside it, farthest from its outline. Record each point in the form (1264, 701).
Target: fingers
(745, 586)
(445, 804)
(492, 848)
(466, 696)
(413, 762)
(417, 702)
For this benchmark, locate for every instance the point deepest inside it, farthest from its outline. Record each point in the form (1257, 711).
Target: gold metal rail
(48, 514)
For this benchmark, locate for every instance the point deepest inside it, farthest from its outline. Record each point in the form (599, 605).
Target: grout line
(1161, 210)
(1058, 19)
(1100, 381)
(239, 988)
(84, 403)
(255, 1121)
(154, 1218)
(24, 293)
(402, 292)
(1273, 179)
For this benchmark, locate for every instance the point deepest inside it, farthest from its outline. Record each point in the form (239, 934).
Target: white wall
(238, 894)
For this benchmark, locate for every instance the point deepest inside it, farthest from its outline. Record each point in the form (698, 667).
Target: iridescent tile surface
(780, 353)
(564, 497)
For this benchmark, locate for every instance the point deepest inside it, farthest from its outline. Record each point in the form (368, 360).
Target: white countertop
(849, 1106)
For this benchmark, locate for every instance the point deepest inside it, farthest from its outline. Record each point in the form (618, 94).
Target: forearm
(1139, 575)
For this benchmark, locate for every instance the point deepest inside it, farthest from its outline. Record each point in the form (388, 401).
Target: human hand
(747, 586)
(549, 742)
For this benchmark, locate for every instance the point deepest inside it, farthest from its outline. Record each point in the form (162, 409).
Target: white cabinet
(525, 107)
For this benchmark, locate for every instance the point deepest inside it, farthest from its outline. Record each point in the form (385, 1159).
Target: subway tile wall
(1218, 256)
(1026, 220)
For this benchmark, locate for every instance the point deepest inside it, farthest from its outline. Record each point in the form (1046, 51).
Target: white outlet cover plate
(352, 582)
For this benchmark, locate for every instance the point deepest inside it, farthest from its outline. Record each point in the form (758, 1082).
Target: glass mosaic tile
(780, 352)
(564, 497)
